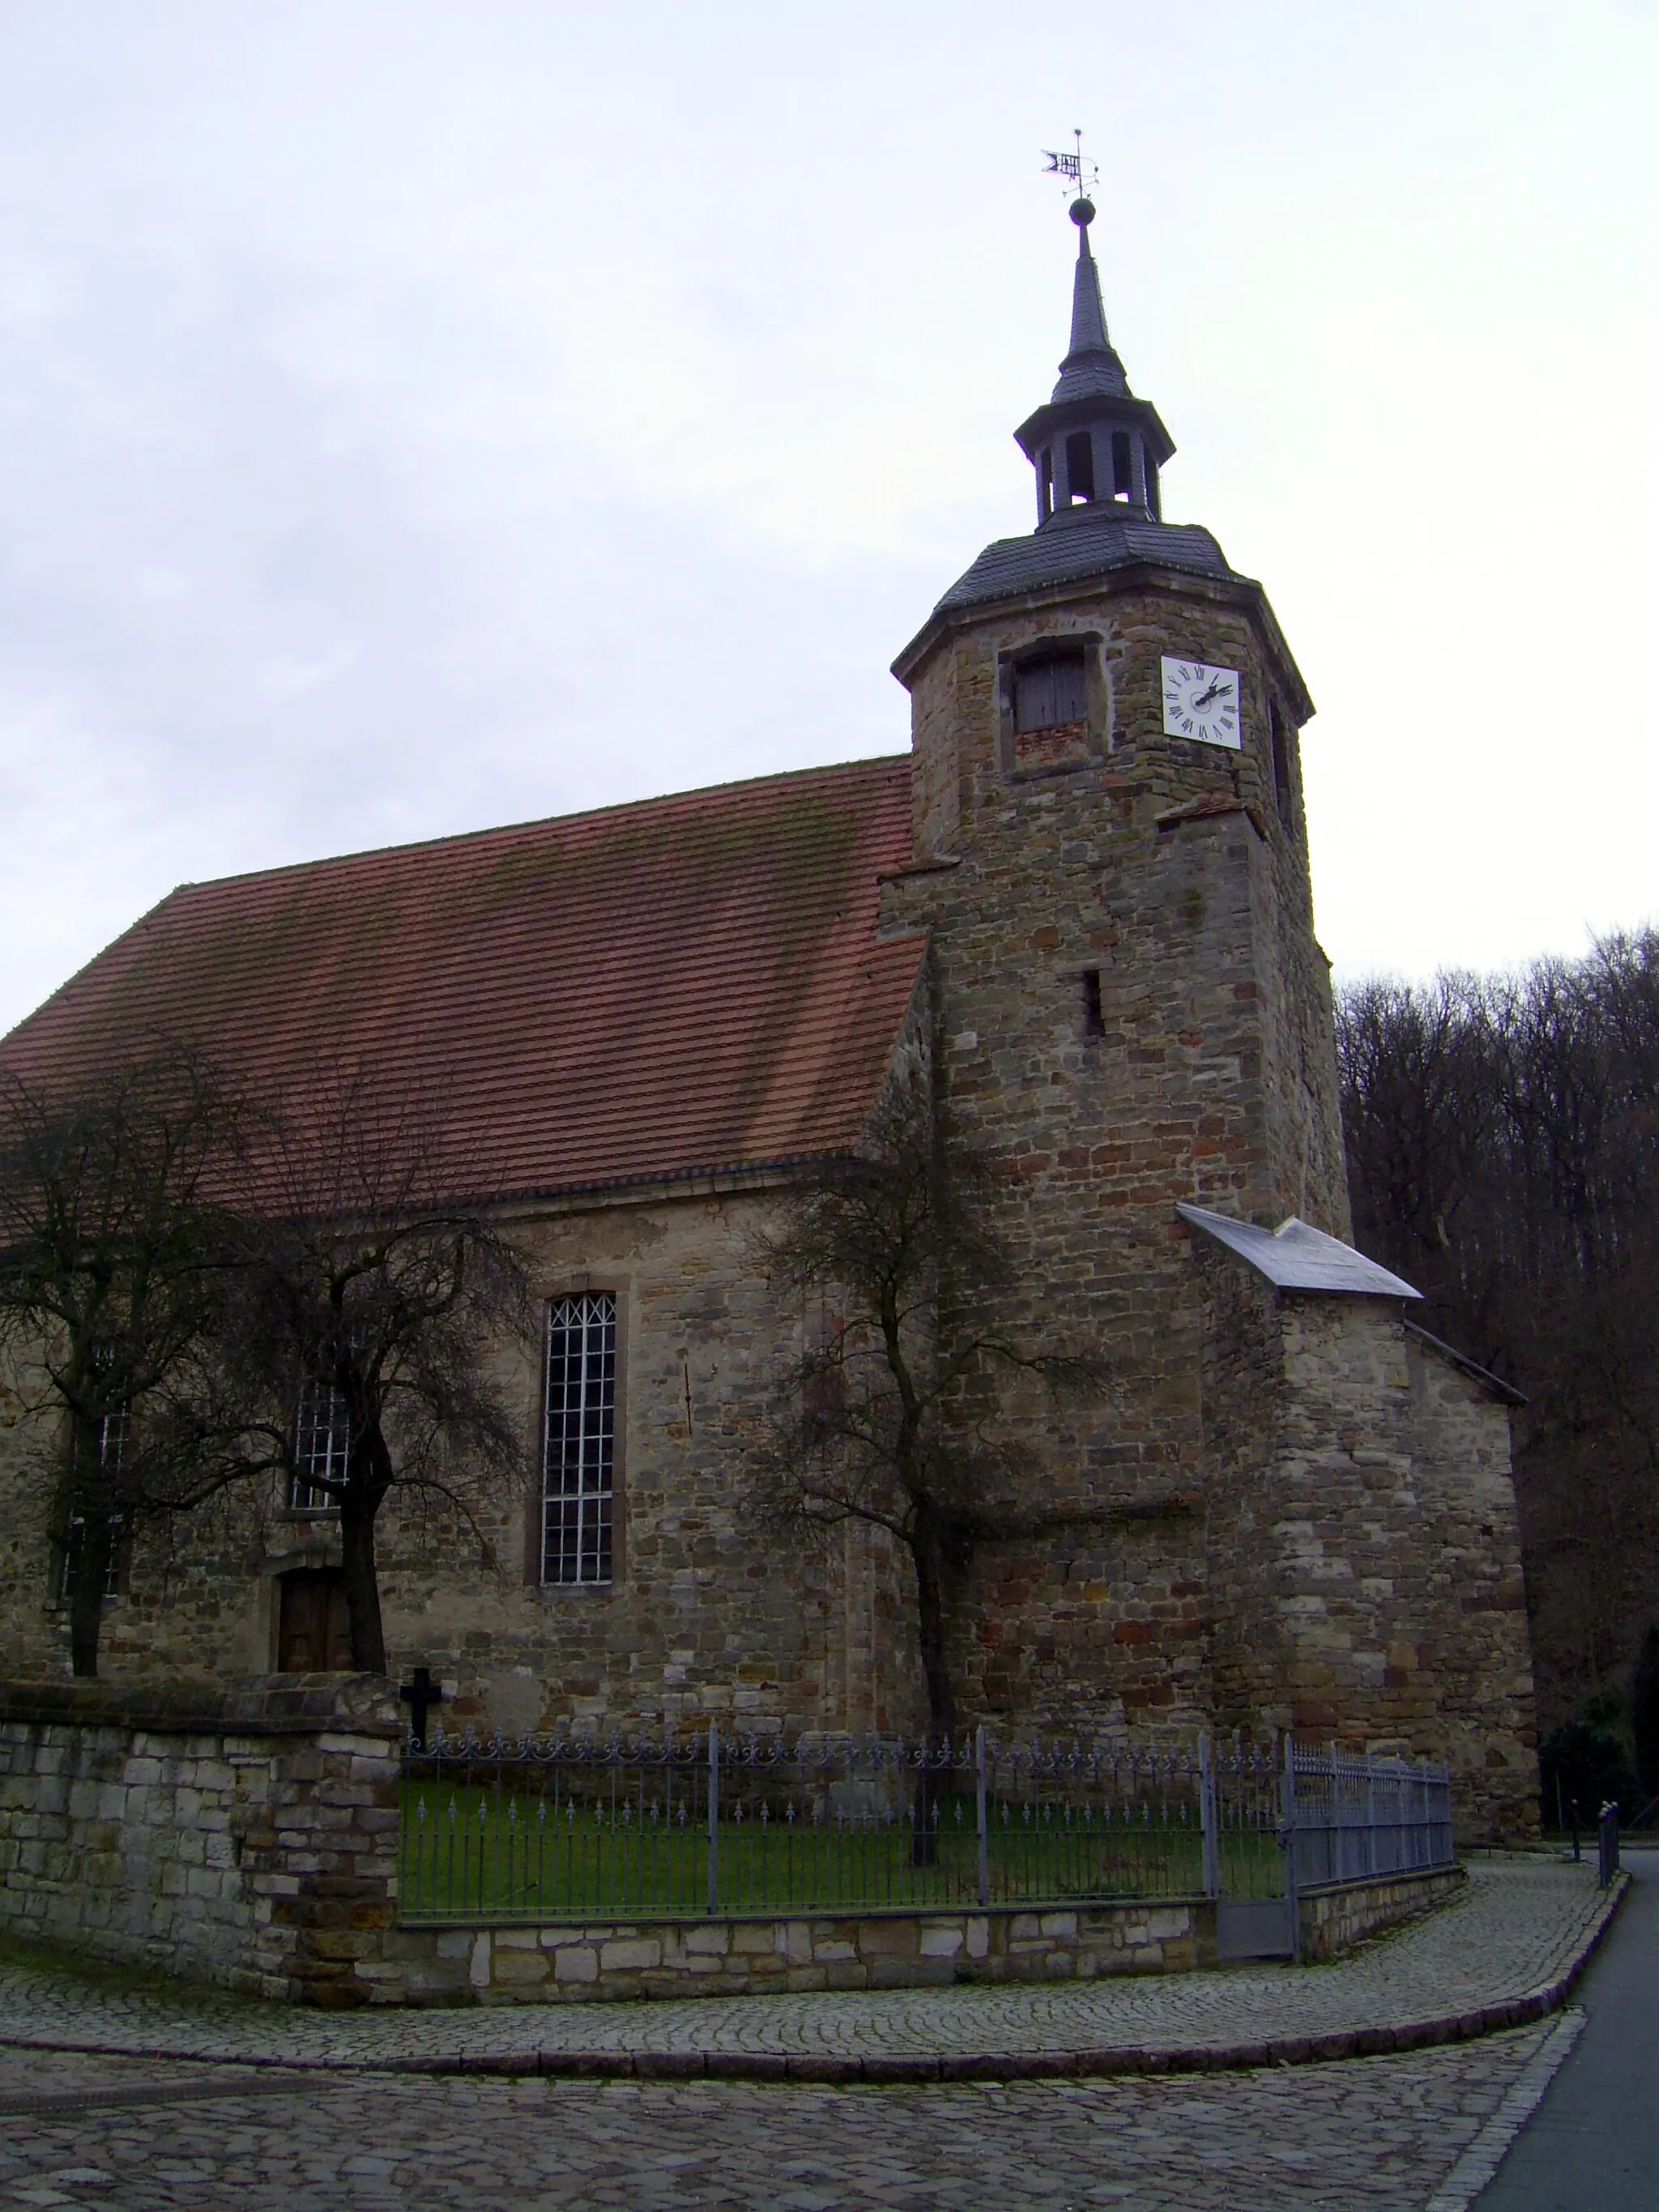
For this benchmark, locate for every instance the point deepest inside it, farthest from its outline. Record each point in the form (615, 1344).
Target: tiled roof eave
(668, 1183)
(952, 613)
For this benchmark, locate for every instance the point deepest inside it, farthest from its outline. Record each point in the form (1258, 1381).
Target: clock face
(1203, 703)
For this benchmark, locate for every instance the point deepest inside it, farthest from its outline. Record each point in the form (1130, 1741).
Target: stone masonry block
(633, 1957)
(941, 1942)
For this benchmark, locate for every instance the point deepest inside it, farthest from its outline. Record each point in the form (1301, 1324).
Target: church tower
(1105, 729)
(1110, 859)
(1289, 1508)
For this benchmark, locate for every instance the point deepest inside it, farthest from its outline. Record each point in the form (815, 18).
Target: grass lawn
(468, 1849)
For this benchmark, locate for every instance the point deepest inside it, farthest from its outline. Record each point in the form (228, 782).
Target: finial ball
(1083, 212)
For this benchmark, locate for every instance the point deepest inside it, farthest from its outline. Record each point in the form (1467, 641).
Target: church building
(1089, 880)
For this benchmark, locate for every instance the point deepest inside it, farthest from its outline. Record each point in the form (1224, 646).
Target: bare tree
(1503, 1139)
(116, 1252)
(894, 1417)
(372, 1299)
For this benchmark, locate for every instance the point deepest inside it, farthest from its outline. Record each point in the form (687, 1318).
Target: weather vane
(1072, 168)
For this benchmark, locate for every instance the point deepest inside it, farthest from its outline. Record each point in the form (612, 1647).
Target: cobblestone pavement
(1377, 2135)
(1515, 1934)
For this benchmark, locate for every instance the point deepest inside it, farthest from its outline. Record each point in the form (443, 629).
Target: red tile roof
(690, 983)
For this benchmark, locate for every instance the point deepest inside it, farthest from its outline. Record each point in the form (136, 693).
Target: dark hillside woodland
(117, 1256)
(1502, 1141)
(371, 1306)
(890, 1416)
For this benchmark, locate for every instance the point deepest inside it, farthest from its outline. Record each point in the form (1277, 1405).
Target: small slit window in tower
(1123, 484)
(1080, 466)
(1281, 763)
(1045, 483)
(1050, 692)
(1094, 1020)
(1154, 504)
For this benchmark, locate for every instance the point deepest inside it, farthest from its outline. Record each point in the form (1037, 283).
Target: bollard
(1607, 1846)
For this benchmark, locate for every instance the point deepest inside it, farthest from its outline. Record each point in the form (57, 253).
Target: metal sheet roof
(1295, 1256)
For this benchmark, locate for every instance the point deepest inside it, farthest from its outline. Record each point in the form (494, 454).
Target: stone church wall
(1364, 1548)
(1211, 1078)
(707, 1617)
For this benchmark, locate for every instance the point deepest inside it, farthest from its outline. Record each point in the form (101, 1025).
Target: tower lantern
(1094, 445)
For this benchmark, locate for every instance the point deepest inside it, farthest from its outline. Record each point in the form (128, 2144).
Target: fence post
(1287, 1829)
(982, 1815)
(714, 1817)
(1207, 1811)
(1607, 1842)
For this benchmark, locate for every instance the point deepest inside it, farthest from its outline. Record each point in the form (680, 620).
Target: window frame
(305, 1497)
(115, 1576)
(1023, 763)
(587, 1294)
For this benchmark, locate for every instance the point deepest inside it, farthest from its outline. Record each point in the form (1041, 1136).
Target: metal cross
(420, 1694)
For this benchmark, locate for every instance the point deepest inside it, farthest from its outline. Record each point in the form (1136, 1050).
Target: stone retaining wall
(1335, 1918)
(249, 1838)
(246, 1838)
(731, 1958)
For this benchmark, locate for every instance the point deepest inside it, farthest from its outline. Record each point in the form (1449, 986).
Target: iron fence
(1350, 1816)
(564, 1828)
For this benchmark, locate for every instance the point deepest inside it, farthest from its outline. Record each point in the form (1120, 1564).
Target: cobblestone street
(1378, 2133)
(139, 2105)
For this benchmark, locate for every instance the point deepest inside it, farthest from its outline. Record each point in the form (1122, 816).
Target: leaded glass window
(321, 1453)
(579, 1440)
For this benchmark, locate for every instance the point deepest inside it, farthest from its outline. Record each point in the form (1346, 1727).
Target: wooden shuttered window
(1050, 691)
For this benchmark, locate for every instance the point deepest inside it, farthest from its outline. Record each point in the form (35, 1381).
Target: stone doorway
(313, 1633)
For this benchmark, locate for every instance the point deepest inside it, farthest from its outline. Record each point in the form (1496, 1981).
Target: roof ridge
(534, 822)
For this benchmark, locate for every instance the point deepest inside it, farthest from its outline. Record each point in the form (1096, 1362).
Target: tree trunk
(92, 1544)
(362, 1583)
(926, 1552)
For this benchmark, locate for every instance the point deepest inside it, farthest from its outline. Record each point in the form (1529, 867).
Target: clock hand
(1205, 697)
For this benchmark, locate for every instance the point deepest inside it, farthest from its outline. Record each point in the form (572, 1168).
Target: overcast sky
(419, 416)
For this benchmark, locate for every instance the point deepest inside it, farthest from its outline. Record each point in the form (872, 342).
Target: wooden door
(313, 1634)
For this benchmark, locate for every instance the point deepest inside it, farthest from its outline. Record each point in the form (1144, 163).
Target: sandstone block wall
(487, 1965)
(1333, 1920)
(248, 1840)
(1173, 873)
(1367, 1569)
(734, 1958)
(706, 1617)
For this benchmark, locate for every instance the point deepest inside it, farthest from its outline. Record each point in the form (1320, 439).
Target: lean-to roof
(691, 984)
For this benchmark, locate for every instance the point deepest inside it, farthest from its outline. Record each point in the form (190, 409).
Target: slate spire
(1090, 343)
